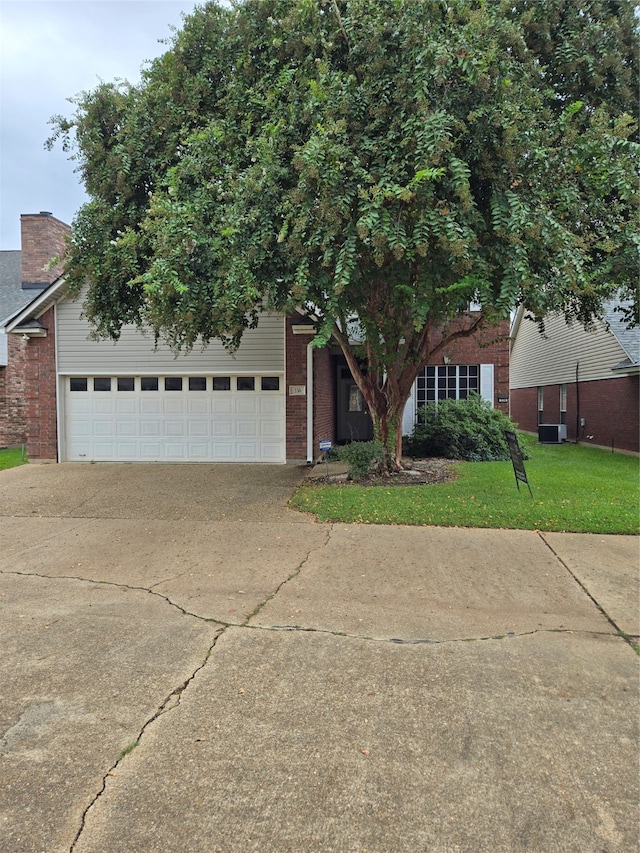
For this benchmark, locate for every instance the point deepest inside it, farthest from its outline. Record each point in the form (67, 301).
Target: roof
(12, 296)
(37, 303)
(629, 339)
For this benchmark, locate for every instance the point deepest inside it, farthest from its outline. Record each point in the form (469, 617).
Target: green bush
(361, 457)
(460, 429)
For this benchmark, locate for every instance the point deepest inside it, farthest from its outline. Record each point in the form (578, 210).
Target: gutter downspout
(309, 404)
(577, 402)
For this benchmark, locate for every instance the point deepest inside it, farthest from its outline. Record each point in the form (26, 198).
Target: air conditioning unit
(552, 433)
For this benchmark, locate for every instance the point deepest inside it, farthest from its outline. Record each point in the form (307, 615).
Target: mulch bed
(417, 472)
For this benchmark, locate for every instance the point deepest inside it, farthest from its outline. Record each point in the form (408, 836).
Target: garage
(136, 400)
(188, 418)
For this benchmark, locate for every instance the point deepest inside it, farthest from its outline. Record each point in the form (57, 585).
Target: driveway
(187, 664)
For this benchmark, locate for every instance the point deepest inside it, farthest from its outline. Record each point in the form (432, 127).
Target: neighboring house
(586, 381)
(74, 398)
(24, 275)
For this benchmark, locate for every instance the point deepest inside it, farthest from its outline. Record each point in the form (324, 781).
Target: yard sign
(517, 460)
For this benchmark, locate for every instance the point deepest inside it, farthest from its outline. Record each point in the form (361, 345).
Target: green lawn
(575, 488)
(12, 456)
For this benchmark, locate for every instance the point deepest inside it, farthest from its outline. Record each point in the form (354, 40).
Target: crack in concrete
(628, 638)
(294, 574)
(508, 635)
(149, 590)
(171, 701)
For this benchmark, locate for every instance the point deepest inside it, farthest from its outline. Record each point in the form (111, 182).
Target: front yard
(575, 488)
(12, 456)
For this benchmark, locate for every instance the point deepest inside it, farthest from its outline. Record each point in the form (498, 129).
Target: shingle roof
(12, 296)
(629, 339)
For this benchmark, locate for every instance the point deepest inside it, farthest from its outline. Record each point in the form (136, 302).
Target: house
(72, 398)
(585, 381)
(24, 275)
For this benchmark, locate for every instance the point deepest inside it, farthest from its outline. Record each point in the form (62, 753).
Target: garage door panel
(126, 407)
(246, 405)
(270, 429)
(222, 429)
(198, 429)
(103, 406)
(199, 425)
(198, 407)
(222, 451)
(221, 405)
(173, 406)
(149, 428)
(126, 428)
(271, 452)
(174, 428)
(247, 429)
(127, 451)
(104, 428)
(149, 451)
(270, 406)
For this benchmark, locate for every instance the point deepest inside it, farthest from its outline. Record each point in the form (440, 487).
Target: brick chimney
(42, 237)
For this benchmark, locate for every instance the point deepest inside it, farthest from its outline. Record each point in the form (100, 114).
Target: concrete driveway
(188, 665)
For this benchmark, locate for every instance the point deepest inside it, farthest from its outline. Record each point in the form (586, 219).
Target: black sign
(516, 458)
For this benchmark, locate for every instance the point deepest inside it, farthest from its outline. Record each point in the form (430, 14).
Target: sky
(51, 50)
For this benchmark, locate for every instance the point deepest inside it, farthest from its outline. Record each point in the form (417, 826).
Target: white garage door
(174, 419)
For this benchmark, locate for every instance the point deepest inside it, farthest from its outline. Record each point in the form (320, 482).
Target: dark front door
(354, 421)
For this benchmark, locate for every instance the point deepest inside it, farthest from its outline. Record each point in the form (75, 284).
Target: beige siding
(261, 350)
(552, 358)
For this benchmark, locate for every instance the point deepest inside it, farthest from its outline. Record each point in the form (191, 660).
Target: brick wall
(42, 238)
(610, 408)
(296, 407)
(12, 394)
(40, 393)
(324, 394)
(490, 346)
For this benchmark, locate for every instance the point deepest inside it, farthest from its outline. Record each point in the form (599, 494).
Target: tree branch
(334, 4)
(458, 333)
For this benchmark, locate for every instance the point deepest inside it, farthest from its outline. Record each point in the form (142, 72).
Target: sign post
(325, 447)
(516, 459)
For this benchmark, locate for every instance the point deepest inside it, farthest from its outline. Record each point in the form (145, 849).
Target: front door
(354, 421)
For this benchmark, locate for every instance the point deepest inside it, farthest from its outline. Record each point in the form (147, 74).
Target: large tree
(377, 163)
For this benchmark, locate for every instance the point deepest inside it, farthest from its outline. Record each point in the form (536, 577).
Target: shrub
(361, 457)
(460, 429)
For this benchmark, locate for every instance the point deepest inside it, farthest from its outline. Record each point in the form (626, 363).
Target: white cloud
(50, 51)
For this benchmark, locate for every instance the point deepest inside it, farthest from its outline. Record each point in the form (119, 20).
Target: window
(447, 382)
(149, 383)
(126, 383)
(173, 383)
(245, 383)
(540, 404)
(563, 404)
(270, 383)
(221, 383)
(78, 383)
(102, 383)
(197, 383)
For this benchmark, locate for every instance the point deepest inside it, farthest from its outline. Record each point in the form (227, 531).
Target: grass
(12, 456)
(575, 488)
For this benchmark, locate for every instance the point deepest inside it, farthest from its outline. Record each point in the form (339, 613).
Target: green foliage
(460, 429)
(385, 160)
(10, 457)
(575, 488)
(362, 457)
